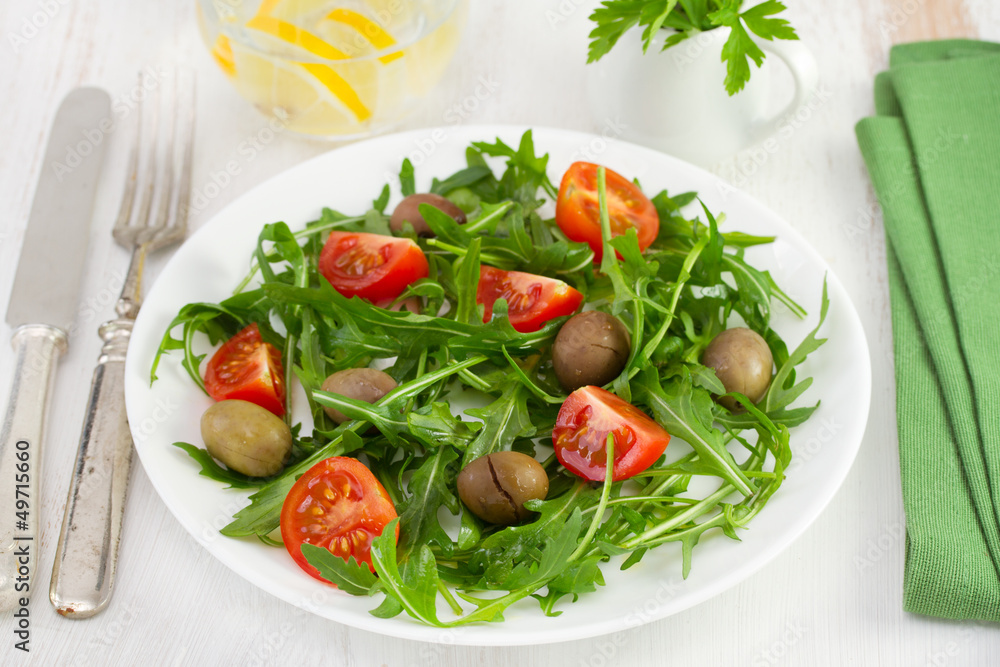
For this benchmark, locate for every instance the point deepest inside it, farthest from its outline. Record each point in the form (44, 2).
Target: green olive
(246, 438)
(742, 361)
(408, 210)
(496, 486)
(361, 384)
(591, 348)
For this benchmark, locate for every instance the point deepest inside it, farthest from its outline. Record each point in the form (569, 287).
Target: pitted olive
(361, 384)
(246, 437)
(408, 210)
(742, 361)
(496, 486)
(591, 348)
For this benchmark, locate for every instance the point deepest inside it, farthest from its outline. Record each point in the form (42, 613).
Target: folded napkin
(933, 154)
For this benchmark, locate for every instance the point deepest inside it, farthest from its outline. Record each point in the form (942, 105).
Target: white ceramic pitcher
(675, 100)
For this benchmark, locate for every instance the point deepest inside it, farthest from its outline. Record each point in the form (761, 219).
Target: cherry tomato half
(247, 368)
(531, 300)
(581, 432)
(578, 212)
(371, 266)
(339, 505)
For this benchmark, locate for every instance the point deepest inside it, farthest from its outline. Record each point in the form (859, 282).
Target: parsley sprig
(689, 17)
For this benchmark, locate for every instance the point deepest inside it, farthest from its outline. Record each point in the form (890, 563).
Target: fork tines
(154, 207)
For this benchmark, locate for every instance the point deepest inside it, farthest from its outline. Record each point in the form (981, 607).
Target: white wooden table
(833, 598)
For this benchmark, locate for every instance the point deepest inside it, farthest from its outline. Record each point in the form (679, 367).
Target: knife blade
(42, 306)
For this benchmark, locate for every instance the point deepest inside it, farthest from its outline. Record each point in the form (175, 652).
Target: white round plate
(210, 264)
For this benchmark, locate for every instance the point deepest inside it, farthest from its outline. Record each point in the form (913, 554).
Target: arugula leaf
(406, 181)
(430, 488)
(382, 200)
(686, 412)
(262, 515)
(438, 425)
(213, 319)
(504, 420)
(780, 394)
(754, 290)
(348, 575)
(212, 470)
(490, 216)
(501, 551)
(460, 179)
(387, 414)
(360, 330)
(788, 418)
(467, 280)
(580, 577)
(470, 532)
(416, 588)
(525, 173)
(555, 555)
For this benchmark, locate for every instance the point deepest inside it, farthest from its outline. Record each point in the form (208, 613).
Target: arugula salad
(612, 354)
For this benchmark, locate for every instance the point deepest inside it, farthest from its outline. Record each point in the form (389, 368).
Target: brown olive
(408, 210)
(496, 486)
(742, 361)
(246, 437)
(590, 348)
(361, 384)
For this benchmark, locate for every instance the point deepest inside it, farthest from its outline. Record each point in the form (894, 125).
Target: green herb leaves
(739, 47)
(686, 17)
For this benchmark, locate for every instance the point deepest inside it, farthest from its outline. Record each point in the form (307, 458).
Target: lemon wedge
(295, 94)
(355, 84)
(222, 52)
(292, 34)
(306, 63)
(267, 7)
(355, 28)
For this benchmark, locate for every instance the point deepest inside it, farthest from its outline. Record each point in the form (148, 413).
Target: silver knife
(42, 307)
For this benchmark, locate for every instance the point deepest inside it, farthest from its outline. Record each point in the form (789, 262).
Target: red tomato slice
(531, 300)
(339, 505)
(581, 432)
(578, 212)
(247, 368)
(371, 266)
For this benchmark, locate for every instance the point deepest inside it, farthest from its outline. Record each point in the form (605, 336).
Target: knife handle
(84, 569)
(37, 349)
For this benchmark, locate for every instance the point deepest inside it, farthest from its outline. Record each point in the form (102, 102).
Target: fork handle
(84, 569)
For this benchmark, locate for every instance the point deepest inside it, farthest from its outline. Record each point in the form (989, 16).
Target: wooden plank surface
(833, 598)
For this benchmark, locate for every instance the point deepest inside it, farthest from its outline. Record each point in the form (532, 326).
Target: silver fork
(84, 568)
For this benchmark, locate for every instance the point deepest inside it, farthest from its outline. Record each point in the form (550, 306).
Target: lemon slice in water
(222, 52)
(357, 33)
(354, 83)
(315, 76)
(292, 93)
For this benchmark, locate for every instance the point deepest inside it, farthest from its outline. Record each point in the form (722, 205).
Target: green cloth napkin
(933, 154)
